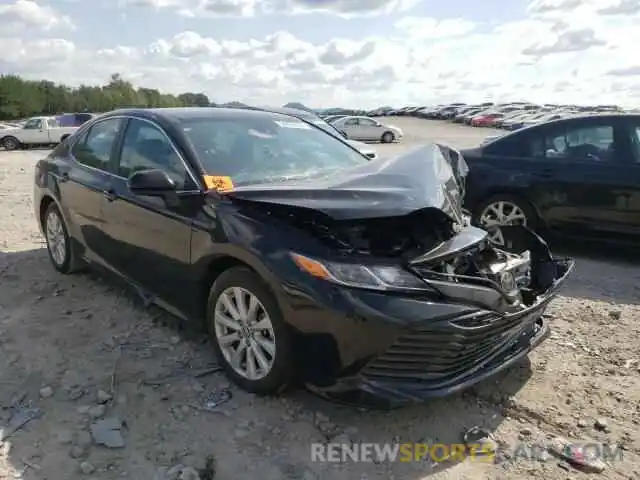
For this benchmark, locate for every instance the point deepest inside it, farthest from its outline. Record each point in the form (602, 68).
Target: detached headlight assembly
(380, 277)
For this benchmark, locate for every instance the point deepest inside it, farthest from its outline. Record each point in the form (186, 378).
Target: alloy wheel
(56, 238)
(244, 333)
(498, 214)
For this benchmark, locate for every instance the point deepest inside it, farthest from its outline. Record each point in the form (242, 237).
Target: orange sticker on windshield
(219, 183)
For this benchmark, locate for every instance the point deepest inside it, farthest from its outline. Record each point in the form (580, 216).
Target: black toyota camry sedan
(304, 260)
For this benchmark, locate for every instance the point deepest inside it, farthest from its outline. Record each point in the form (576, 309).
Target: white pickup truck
(35, 131)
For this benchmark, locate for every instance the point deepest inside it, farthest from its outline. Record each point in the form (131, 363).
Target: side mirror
(151, 182)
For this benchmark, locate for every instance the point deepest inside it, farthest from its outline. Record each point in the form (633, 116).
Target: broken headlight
(376, 277)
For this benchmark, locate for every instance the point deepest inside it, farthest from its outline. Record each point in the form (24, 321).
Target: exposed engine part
(389, 237)
(510, 272)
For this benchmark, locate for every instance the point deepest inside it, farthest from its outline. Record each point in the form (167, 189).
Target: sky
(327, 53)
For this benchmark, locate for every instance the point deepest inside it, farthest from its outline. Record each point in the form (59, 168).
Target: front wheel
(248, 332)
(503, 210)
(10, 143)
(387, 137)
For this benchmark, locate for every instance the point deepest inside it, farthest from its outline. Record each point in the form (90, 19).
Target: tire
(63, 138)
(281, 372)
(67, 260)
(387, 137)
(530, 217)
(11, 143)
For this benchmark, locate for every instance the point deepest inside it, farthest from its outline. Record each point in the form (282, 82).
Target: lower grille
(445, 351)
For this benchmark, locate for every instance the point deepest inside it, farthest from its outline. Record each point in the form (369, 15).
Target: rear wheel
(503, 210)
(248, 332)
(10, 143)
(387, 137)
(59, 245)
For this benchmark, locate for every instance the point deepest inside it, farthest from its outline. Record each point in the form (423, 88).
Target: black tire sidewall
(387, 137)
(65, 267)
(281, 373)
(13, 140)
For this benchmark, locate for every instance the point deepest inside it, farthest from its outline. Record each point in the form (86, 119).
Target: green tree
(21, 98)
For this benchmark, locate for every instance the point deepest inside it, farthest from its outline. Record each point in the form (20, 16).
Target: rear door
(83, 186)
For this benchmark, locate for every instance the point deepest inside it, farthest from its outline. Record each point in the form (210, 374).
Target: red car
(485, 120)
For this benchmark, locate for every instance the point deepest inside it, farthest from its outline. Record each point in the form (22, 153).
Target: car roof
(188, 113)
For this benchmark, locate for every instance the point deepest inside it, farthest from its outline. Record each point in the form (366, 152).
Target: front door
(34, 132)
(578, 166)
(151, 235)
(369, 129)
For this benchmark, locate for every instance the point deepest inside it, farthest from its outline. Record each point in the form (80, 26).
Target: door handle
(110, 195)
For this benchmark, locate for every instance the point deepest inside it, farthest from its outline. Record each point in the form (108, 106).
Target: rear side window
(517, 146)
(94, 148)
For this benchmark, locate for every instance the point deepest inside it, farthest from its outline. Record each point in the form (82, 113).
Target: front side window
(267, 149)
(591, 143)
(367, 122)
(351, 122)
(94, 148)
(146, 147)
(33, 124)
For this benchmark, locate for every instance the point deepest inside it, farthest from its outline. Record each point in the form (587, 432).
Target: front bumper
(446, 354)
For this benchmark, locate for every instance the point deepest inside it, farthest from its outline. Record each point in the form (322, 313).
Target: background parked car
(368, 129)
(578, 176)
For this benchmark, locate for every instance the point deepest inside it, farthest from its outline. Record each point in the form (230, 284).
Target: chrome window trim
(153, 124)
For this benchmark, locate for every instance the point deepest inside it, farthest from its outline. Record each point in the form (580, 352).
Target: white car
(368, 129)
(35, 131)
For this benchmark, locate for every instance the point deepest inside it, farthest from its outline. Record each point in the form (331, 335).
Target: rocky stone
(103, 397)
(580, 458)
(526, 432)
(601, 425)
(97, 411)
(107, 432)
(78, 451)
(87, 468)
(615, 314)
(46, 392)
(189, 473)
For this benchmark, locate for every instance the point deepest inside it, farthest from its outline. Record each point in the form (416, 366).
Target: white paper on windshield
(258, 134)
(300, 125)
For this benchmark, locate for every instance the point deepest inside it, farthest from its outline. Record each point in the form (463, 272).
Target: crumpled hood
(423, 178)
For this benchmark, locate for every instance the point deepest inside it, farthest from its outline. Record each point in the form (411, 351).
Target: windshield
(268, 149)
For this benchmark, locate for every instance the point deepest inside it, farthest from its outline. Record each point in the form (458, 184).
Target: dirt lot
(78, 349)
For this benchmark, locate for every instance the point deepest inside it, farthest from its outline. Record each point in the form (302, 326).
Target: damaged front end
(395, 240)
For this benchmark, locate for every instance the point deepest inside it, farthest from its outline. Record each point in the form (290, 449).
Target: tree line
(20, 98)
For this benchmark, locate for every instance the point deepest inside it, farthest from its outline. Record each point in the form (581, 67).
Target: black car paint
(570, 197)
(172, 250)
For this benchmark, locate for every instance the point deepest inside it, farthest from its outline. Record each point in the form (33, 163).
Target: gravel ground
(78, 350)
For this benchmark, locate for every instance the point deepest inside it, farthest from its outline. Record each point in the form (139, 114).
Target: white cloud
(24, 15)
(249, 8)
(564, 51)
